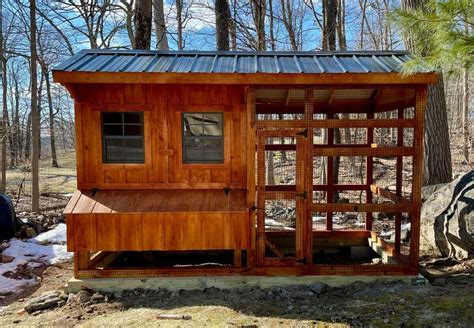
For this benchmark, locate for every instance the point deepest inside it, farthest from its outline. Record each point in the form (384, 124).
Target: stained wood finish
(159, 231)
(162, 106)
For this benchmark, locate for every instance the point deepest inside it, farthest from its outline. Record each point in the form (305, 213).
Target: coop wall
(162, 106)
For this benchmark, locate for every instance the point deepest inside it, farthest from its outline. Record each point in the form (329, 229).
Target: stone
(447, 220)
(4, 246)
(71, 298)
(45, 301)
(6, 258)
(83, 297)
(318, 288)
(97, 298)
(30, 232)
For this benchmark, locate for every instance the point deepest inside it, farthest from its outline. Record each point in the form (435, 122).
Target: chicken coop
(245, 163)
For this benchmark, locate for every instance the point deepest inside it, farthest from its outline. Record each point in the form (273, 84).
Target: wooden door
(281, 197)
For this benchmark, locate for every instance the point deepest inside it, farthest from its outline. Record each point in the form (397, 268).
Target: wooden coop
(245, 163)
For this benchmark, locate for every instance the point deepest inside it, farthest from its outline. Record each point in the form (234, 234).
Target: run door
(281, 197)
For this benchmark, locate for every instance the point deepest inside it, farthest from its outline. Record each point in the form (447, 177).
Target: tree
(142, 20)
(35, 119)
(222, 24)
(437, 154)
(160, 25)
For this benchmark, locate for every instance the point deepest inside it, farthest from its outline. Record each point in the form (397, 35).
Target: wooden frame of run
(258, 260)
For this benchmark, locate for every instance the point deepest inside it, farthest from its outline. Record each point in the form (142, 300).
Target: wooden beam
(347, 207)
(373, 152)
(336, 123)
(243, 78)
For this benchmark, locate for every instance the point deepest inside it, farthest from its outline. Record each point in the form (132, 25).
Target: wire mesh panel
(359, 167)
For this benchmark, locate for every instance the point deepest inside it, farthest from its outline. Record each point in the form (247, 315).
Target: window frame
(123, 136)
(186, 161)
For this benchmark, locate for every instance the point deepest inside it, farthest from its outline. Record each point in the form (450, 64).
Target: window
(203, 140)
(122, 137)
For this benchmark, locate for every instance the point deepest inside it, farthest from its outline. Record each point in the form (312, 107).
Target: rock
(318, 288)
(97, 298)
(71, 298)
(61, 303)
(30, 232)
(4, 246)
(83, 297)
(447, 220)
(45, 301)
(6, 258)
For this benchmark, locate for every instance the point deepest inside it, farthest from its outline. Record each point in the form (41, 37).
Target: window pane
(213, 155)
(133, 117)
(112, 117)
(124, 150)
(193, 130)
(133, 130)
(203, 137)
(212, 130)
(212, 118)
(113, 130)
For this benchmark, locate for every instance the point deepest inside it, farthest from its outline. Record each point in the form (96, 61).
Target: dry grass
(59, 180)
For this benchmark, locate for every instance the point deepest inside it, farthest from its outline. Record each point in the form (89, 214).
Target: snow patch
(45, 249)
(54, 236)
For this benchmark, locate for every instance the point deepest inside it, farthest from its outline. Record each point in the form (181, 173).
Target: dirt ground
(376, 304)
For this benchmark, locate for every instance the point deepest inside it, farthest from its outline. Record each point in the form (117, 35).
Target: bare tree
(160, 25)
(222, 24)
(34, 112)
(142, 20)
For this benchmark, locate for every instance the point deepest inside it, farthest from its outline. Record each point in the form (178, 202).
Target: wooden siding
(158, 231)
(162, 106)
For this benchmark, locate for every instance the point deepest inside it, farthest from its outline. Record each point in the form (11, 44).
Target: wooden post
(369, 172)
(330, 175)
(421, 96)
(82, 261)
(251, 192)
(399, 177)
(308, 113)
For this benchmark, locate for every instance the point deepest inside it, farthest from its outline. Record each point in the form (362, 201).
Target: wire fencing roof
(234, 62)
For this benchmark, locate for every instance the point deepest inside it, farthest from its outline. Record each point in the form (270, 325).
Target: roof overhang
(388, 78)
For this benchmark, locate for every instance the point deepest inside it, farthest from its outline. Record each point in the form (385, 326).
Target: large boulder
(447, 219)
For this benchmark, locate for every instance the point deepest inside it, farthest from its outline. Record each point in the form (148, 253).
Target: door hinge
(303, 133)
(302, 195)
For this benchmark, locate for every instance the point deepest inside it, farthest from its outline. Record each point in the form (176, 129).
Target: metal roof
(234, 62)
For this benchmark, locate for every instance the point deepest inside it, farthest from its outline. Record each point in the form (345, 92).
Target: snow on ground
(45, 249)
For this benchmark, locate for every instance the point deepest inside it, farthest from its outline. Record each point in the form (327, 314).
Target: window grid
(203, 149)
(128, 143)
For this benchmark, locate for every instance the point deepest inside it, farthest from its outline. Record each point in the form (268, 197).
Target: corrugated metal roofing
(234, 62)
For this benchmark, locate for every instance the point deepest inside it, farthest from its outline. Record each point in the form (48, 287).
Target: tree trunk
(52, 132)
(142, 20)
(35, 121)
(466, 123)
(179, 19)
(329, 27)
(3, 141)
(222, 24)
(259, 8)
(341, 24)
(437, 153)
(3, 133)
(233, 26)
(160, 25)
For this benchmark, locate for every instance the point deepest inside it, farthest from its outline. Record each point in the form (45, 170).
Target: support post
(421, 97)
